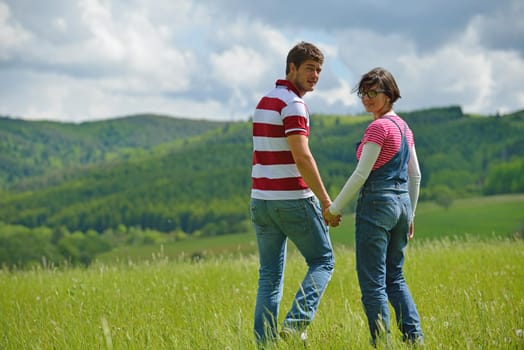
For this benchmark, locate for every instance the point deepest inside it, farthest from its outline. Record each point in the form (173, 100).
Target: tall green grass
(469, 293)
(465, 269)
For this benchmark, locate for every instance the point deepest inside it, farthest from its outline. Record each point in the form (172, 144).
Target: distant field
(330, 120)
(483, 217)
(470, 294)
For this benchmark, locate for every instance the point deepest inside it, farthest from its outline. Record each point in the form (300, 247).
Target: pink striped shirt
(280, 113)
(386, 134)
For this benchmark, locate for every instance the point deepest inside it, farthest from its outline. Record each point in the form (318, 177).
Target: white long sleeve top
(370, 152)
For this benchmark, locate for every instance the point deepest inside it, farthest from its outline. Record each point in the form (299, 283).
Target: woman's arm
(370, 152)
(414, 177)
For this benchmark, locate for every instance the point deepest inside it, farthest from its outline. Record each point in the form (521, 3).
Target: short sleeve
(295, 117)
(375, 133)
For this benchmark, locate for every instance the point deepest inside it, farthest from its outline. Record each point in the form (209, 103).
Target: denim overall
(382, 225)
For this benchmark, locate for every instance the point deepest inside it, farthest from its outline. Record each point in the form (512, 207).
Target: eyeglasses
(369, 93)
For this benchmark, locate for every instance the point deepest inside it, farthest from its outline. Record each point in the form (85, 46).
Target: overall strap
(404, 139)
(398, 126)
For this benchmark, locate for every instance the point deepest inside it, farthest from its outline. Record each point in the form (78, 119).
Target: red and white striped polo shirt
(280, 113)
(386, 134)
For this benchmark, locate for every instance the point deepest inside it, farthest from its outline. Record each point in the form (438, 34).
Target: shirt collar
(288, 85)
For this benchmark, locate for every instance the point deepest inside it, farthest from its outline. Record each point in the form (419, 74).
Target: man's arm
(307, 167)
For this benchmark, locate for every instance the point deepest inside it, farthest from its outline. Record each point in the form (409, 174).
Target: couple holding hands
(289, 201)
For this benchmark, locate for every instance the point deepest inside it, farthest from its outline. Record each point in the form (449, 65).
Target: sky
(85, 60)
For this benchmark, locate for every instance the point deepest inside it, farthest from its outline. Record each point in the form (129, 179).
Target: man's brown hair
(302, 52)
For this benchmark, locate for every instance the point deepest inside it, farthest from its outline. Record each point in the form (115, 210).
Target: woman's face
(374, 100)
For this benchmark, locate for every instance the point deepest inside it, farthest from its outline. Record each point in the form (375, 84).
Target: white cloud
(448, 75)
(142, 47)
(12, 35)
(92, 59)
(63, 98)
(503, 29)
(339, 94)
(460, 72)
(238, 66)
(105, 42)
(463, 72)
(60, 24)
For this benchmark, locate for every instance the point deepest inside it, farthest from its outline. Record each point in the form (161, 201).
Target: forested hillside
(41, 148)
(194, 176)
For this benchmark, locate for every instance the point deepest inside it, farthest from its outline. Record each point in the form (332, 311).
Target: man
(286, 190)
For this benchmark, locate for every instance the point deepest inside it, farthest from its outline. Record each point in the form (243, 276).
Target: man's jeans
(382, 226)
(301, 221)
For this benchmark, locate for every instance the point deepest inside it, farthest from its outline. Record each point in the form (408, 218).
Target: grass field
(483, 218)
(470, 296)
(468, 284)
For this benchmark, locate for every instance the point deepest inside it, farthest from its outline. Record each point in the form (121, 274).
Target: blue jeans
(301, 221)
(382, 226)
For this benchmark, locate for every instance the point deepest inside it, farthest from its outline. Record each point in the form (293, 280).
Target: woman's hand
(331, 220)
(411, 230)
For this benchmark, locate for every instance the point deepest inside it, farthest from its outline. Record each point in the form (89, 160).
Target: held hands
(411, 230)
(331, 220)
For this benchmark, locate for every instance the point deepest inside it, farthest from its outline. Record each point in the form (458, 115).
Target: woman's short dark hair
(302, 52)
(385, 81)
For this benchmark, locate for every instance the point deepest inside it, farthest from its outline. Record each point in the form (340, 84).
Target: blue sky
(81, 60)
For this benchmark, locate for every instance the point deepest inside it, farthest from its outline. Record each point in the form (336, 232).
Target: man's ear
(292, 68)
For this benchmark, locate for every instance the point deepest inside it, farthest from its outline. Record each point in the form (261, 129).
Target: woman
(388, 177)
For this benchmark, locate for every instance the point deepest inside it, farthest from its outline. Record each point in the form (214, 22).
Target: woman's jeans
(382, 226)
(301, 221)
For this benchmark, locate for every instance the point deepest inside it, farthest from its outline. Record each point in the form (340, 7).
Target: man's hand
(331, 220)
(411, 230)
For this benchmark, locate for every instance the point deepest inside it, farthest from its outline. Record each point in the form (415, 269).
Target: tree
(443, 196)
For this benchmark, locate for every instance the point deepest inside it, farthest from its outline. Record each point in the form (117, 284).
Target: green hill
(42, 149)
(171, 174)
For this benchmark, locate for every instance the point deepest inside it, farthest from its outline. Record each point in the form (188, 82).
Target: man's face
(306, 76)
